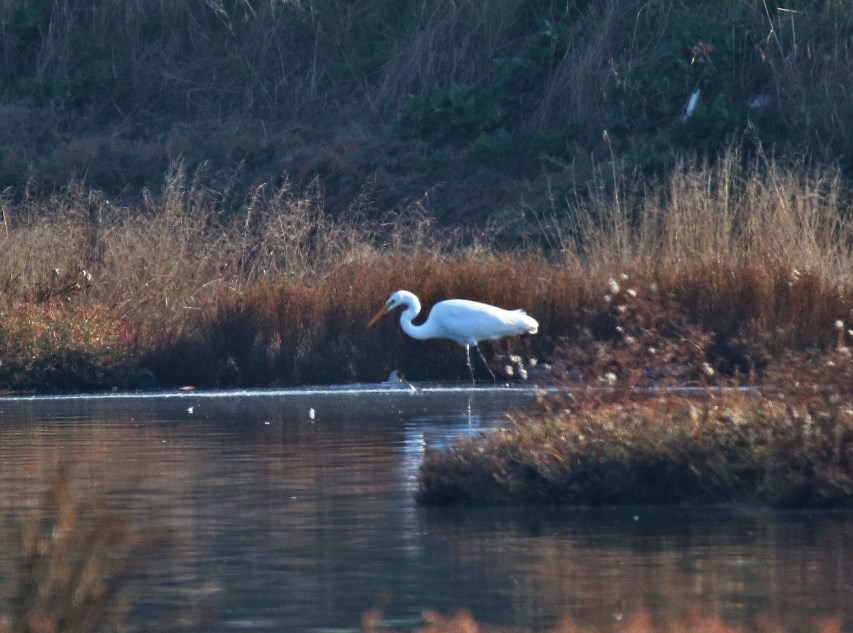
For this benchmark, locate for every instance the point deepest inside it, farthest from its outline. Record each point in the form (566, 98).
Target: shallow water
(288, 522)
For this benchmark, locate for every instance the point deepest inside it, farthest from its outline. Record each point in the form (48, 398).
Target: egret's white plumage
(462, 321)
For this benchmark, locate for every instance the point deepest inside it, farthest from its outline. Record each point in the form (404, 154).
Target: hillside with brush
(221, 192)
(473, 110)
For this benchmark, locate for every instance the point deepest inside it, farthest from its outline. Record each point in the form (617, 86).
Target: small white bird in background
(691, 105)
(394, 378)
(462, 321)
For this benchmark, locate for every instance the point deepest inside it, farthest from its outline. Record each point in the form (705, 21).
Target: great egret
(462, 321)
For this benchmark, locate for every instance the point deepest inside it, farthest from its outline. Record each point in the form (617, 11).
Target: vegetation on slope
(468, 108)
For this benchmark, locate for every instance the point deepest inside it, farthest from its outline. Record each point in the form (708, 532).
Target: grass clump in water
(664, 450)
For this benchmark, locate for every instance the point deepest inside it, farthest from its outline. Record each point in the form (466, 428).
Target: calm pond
(294, 510)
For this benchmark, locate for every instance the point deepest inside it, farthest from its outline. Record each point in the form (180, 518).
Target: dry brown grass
(778, 451)
(732, 210)
(631, 433)
(713, 319)
(745, 263)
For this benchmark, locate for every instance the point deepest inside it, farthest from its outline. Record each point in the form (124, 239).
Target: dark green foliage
(452, 114)
(488, 120)
(510, 91)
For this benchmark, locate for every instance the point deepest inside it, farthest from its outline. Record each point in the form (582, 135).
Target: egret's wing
(468, 322)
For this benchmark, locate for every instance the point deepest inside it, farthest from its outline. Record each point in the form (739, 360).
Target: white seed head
(623, 277)
(839, 324)
(631, 292)
(612, 286)
(707, 370)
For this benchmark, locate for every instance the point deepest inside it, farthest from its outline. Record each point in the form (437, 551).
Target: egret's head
(394, 301)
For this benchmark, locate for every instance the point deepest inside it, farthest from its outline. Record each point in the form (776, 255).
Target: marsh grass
(50, 347)
(621, 430)
(753, 449)
(759, 211)
(732, 266)
(745, 288)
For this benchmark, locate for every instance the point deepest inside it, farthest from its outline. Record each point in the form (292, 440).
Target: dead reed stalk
(80, 569)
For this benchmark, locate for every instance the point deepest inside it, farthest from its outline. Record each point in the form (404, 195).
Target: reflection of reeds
(81, 569)
(692, 620)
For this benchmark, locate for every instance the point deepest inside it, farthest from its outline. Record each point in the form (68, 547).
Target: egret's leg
(468, 360)
(488, 369)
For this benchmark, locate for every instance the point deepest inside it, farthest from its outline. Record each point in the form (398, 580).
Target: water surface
(295, 511)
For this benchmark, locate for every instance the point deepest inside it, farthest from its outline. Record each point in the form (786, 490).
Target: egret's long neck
(413, 308)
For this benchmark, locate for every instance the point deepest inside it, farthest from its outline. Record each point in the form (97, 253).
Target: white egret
(462, 321)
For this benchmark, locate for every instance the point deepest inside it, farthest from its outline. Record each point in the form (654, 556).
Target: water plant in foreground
(85, 569)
